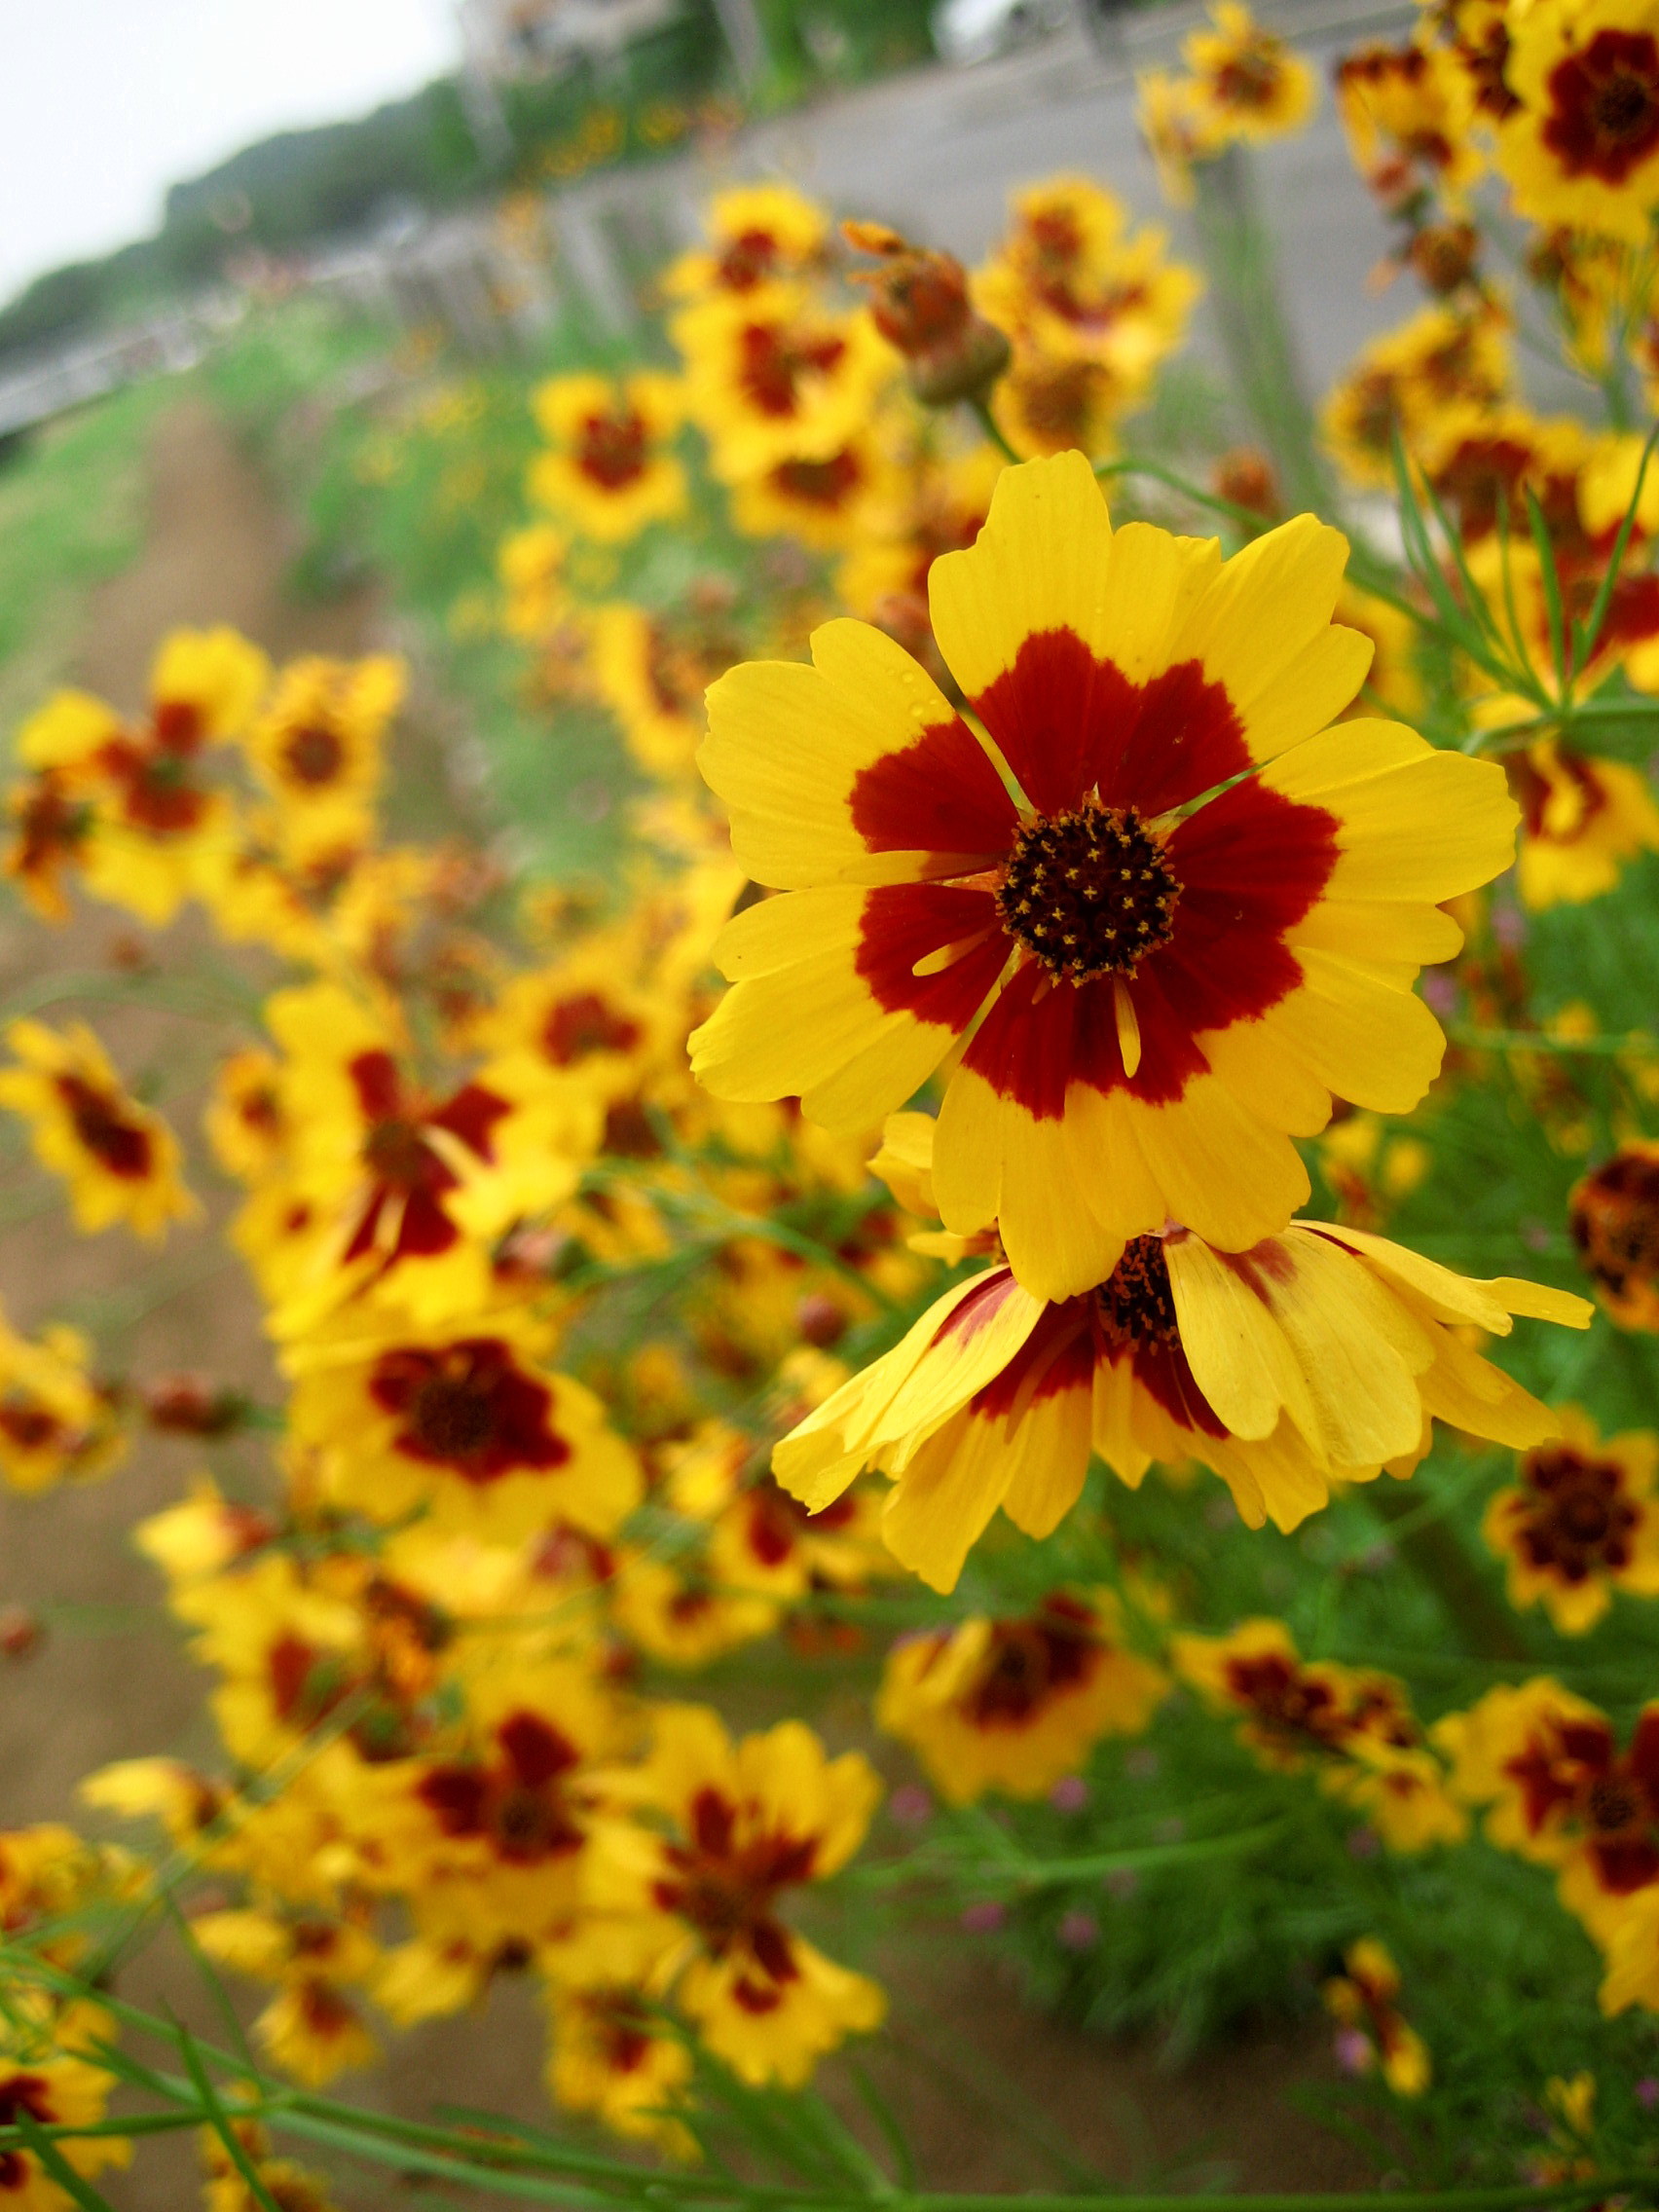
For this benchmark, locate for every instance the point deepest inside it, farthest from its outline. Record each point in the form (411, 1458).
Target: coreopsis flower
(313, 2027)
(758, 235)
(681, 1614)
(56, 1424)
(615, 2056)
(52, 823)
(1178, 127)
(493, 1834)
(1482, 458)
(466, 1425)
(1070, 276)
(225, 2188)
(1407, 114)
(316, 748)
(1015, 1703)
(1404, 381)
(610, 467)
(1583, 821)
(652, 669)
(588, 1023)
(247, 1122)
(160, 831)
(52, 1880)
(742, 1823)
(1162, 965)
(1581, 148)
(120, 1159)
(1581, 1522)
(1071, 399)
(822, 499)
(532, 565)
(1252, 84)
(1477, 34)
(1317, 1357)
(1612, 1215)
(1354, 1727)
(778, 378)
(1560, 1792)
(389, 1190)
(47, 2070)
(1373, 2033)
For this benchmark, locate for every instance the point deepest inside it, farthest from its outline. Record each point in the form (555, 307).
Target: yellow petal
(1239, 1357)
(1363, 1036)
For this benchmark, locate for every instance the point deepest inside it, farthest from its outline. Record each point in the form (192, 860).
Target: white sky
(104, 103)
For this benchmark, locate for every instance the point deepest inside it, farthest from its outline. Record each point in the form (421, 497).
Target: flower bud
(921, 306)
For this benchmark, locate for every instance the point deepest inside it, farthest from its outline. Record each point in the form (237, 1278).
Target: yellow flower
(1179, 127)
(1318, 1356)
(651, 670)
(1154, 993)
(119, 1160)
(530, 564)
(317, 746)
(312, 2028)
(161, 831)
(1362, 2000)
(1015, 1705)
(247, 1121)
(677, 1613)
(609, 470)
(1253, 85)
(743, 1823)
(1561, 1792)
(824, 499)
(778, 378)
(1614, 1217)
(1407, 114)
(1353, 1726)
(1581, 1522)
(757, 234)
(1583, 821)
(468, 1426)
(56, 1423)
(1405, 380)
(1582, 147)
(614, 2055)
(44, 2072)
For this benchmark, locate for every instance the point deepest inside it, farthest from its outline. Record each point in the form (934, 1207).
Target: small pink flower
(911, 1805)
(1079, 1931)
(983, 1918)
(1069, 1794)
(1355, 2054)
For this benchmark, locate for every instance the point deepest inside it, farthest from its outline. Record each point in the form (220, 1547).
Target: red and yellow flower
(758, 236)
(1318, 1356)
(610, 467)
(56, 1424)
(1580, 1522)
(1581, 148)
(1561, 1792)
(1612, 1215)
(742, 1823)
(317, 748)
(1361, 2000)
(1250, 83)
(1163, 964)
(1015, 1705)
(120, 1159)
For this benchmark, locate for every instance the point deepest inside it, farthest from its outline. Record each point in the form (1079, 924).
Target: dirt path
(110, 1680)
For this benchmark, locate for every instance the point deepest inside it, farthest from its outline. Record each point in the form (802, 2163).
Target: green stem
(980, 410)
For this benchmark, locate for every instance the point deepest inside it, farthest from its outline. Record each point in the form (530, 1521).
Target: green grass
(71, 513)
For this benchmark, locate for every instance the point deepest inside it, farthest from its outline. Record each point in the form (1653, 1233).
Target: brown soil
(992, 2094)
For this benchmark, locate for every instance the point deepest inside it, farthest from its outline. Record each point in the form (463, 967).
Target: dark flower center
(1136, 1302)
(313, 756)
(1604, 116)
(453, 1416)
(120, 1146)
(1579, 1519)
(1089, 892)
(1032, 1661)
(612, 449)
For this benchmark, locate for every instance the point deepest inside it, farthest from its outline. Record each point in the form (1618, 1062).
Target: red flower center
(586, 1023)
(1578, 1520)
(314, 757)
(517, 1801)
(1031, 1662)
(773, 362)
(119, 1145)
(726, 1888)
(1605, 107)
(22, 2092)
(820, 483)
(748, 260)
(611, 450)
(1288, 1706)
(468, 1407)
